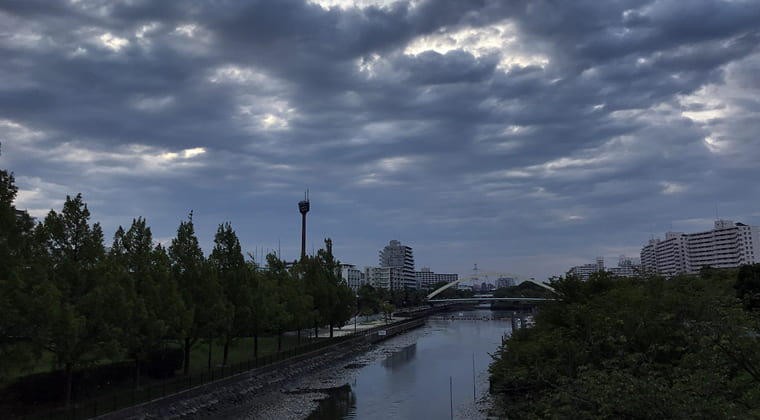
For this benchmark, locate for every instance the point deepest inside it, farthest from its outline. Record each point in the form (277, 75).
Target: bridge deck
(491, 299)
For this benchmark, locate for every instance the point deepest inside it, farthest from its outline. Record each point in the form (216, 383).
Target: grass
(240, 351)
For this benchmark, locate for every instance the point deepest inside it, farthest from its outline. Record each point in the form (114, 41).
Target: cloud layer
(526, 136)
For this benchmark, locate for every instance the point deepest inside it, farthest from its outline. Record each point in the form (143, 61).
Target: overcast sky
(524, 136)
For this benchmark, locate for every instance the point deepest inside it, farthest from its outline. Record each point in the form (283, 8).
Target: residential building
(400, 256)
(352, 276)
(426, 278)
(727, 245)
(627, 267)
(584, 271)
(384, 277)
(506, 282)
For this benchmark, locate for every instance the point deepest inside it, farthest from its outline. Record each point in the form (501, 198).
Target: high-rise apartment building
(401, 257)
(727, 245)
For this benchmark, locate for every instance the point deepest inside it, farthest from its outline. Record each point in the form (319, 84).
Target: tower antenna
(303, 208)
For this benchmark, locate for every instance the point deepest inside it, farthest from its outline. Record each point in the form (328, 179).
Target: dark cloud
(503, 132)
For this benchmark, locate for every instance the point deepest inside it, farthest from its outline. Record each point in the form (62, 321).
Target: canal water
(443, 372)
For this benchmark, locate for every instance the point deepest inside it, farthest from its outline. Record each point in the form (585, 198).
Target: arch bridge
(475, 276)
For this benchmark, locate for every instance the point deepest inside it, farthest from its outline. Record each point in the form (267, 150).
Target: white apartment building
(384, 277)
(352, 276)
(401, 257)
(627, 267)
(426, 278)
(727, 245)
(585, 270)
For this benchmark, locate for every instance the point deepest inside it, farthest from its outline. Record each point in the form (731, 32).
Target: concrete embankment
(206, 401)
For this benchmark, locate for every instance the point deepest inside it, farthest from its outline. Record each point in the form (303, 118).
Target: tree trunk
(137, 373)
(209, 353)
(226, 351)
(279, 339)
(299, 336)
(316, 330)
(69, 379)
(186, 368)
(256, 346)
(331, 329)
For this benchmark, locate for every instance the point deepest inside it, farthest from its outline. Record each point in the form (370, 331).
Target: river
(443, 371)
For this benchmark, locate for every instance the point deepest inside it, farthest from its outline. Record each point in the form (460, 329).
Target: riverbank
(298, 399)
(230, 394)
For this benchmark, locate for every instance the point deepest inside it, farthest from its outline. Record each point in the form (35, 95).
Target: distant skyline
(524, 136)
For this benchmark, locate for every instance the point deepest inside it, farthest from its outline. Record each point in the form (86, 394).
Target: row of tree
(643, 348)
(63, 293)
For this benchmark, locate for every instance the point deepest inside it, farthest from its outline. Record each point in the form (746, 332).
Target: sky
(522, 136)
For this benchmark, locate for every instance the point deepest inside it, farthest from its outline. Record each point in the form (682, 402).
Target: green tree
(201, 293)
(23, 300)
(82, 327)
(298, 302)
(314, 281)
(261, 304)
(342, 299)
(333, 301)
(634, 348)
(152, 306)
(748, 285)
(281, 300)
(369, 300)
(234, 277)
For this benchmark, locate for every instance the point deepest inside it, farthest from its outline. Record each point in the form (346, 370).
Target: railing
(124, 399)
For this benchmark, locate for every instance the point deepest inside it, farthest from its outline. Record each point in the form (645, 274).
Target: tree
(315, 285)
(152, 306)
(323, 283)
(229, 264)
(341, 298)
(298, 302)
(748, 285)
(280, 283)
(368, 300)
(634, 348)
(22, 299)
(201, 294)
(81, 326)
(261, 309)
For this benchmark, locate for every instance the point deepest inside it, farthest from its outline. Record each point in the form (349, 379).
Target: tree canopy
(634, 348)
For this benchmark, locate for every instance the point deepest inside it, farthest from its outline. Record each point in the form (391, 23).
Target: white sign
(381, 332)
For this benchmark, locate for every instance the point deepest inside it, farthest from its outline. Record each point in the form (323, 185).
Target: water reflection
(413, 382)
(340, 404)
